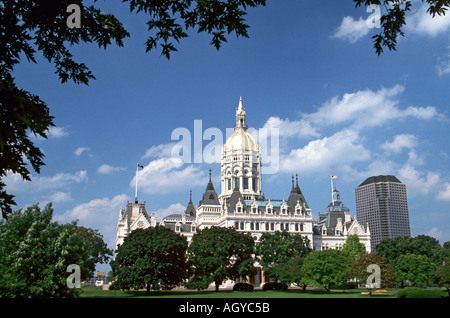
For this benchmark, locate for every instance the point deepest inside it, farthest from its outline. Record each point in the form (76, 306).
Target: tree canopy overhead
(29, 27)
(394, 20)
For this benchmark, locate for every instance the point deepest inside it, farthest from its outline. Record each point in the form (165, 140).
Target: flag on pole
(333, 176)
(140, 166)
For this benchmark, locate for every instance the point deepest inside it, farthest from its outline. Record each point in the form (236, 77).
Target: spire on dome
(240, 108)
(240, 117)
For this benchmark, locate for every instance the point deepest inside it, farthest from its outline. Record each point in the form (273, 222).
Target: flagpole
(331, 180)
(135, 191)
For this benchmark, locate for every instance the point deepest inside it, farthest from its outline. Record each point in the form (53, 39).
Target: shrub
(243, 287)
(275, 286)
(416, 292)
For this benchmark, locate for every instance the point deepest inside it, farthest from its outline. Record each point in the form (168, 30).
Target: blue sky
(309, 70)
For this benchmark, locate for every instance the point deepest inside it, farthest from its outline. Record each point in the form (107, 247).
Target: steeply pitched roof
(210, 195)
(190, 209)
(296, 195)
(234, 199)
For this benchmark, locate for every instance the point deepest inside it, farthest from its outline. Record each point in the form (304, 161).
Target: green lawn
(97, 292)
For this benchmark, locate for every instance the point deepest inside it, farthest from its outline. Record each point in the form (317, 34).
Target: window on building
(229, 184)
(245, 183)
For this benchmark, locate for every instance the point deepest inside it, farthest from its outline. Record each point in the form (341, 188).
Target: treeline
(160, 259)
(35, 253)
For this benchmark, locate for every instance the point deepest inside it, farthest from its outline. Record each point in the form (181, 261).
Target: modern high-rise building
(382, 204)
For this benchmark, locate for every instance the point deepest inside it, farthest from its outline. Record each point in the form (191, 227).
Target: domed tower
(241, 162)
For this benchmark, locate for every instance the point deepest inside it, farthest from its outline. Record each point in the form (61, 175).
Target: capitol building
(241, 204)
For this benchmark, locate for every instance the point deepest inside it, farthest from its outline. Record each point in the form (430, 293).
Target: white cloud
(436, 233)
(160, 151)
(165, 175)
(297, 128)
(400, 142)
(351, 29)
(80, 150)
(418, 182)
(176, 208)
(60, 197)
(444, 195)
(342, 148)
(96, 211)
(443, 65)
(107, 169)
(57, 132)
(367, 108)
(421, 22)
(15, 183)
(99, 214)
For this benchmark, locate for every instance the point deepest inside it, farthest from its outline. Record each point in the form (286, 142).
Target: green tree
(353, 246)
(358, 269)
(35, 253)
(425, 245)
(428, 246)
(219, 253)
(326, 268)
(31, 26)
(290, 272)
(95, 250)
(154, 257)
(393, 248)
(394, 20)
(415, 269)
(278, 247)
(443, 273)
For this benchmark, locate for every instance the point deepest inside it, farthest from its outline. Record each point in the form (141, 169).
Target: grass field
(410, 292)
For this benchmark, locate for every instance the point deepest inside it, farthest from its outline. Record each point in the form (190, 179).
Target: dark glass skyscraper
(382, 204)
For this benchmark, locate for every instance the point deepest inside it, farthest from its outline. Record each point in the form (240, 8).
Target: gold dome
(241, 140)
